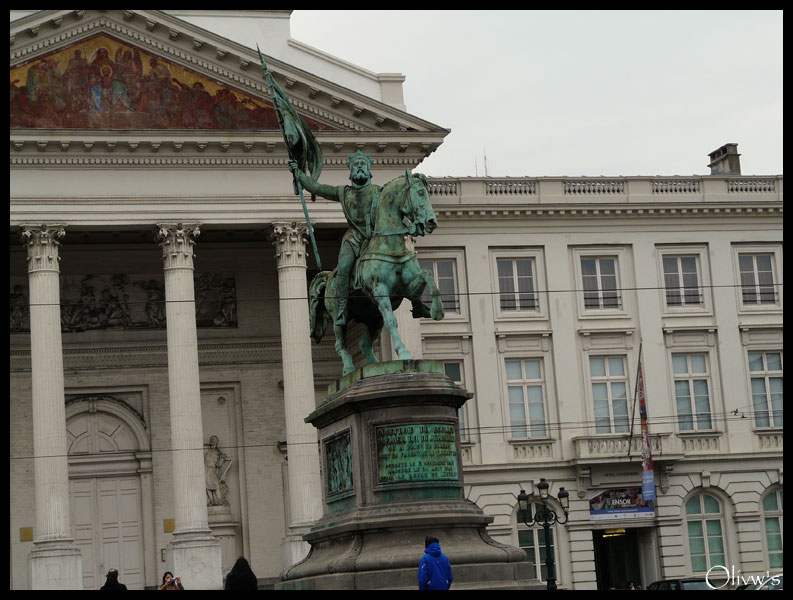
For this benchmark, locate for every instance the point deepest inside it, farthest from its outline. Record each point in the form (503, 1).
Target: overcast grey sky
(575, 92)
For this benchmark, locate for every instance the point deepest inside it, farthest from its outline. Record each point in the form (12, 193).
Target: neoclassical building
(161, 365)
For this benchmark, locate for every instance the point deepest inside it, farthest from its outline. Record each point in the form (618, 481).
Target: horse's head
(416, 205)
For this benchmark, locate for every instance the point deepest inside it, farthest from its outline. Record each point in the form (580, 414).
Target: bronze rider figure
(356, 201)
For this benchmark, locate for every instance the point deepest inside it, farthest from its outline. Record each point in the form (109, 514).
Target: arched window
(705, 532)
(532, 541)
(772, 519)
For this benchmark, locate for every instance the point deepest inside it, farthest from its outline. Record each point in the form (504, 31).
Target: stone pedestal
(392, 475)
(226, 530)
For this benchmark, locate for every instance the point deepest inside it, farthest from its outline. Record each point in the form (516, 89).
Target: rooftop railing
(511, 190)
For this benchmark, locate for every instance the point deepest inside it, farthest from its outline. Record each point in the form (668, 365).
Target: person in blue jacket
(435, 572)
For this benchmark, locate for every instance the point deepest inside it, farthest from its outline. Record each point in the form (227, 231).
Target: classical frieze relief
(127, 302)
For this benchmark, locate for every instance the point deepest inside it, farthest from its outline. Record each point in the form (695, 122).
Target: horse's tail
(319, 317)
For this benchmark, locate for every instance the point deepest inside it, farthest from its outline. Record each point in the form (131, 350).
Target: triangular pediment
(145, 70)
(102, 82)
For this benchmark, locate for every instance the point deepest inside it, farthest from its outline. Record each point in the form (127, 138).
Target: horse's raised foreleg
(416, 289)
(383, 300)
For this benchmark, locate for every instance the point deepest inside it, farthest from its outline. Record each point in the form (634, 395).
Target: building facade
(161, 366)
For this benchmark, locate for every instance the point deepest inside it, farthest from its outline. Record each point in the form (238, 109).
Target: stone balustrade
(608, 448)
(770, 440)
(703, 444)
(532, 450)
(574, 190)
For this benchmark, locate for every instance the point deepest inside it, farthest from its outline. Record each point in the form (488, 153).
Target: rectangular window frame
(623, 283)
(462, 415)
(700, 253)
(458, 260)
(765, 374)
(525, 382)
(690, 377)
(775, 252)
(608, 379)
(536, 256)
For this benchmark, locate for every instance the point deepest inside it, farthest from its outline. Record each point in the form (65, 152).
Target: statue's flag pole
(301, 144)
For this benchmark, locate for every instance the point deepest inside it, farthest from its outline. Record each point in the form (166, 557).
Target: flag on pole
(648, 475)
(301, 144)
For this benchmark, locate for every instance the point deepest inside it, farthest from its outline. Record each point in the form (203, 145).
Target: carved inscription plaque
(416, 452)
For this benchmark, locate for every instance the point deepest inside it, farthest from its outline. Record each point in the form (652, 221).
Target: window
(609, 393)
(692, 396)
(454, 371)
(525, 384)
(757, 278)
(532, 541)
(772, 514)
(681, 281)
(599, 278)
(444, 271)
(765, 371)
(517, 284)
(705, 533)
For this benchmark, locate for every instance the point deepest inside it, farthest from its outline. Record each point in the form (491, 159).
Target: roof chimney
(725, 160)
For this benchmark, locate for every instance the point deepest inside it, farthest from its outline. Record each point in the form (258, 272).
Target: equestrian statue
(375, 270)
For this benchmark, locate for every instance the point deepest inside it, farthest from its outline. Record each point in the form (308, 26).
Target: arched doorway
(108, 446)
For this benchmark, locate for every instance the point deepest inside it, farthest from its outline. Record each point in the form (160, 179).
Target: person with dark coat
(241, 577)
(435, 572)
(112, 581)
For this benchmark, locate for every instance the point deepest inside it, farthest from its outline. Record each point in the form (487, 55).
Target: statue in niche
(216, 464)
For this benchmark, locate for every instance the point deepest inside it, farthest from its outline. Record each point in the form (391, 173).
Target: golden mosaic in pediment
(103, 83)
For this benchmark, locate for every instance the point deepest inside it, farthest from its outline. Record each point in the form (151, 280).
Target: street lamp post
(546, 517)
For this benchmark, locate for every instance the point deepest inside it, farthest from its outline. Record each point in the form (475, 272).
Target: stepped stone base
(389, 439)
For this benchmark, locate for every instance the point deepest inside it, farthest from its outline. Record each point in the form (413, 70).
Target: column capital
(177, 241)
(42, 242)
(290, 242)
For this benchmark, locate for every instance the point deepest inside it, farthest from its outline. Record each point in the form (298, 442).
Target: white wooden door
(107, 529)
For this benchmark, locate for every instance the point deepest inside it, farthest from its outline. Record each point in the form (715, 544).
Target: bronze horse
(385, 273)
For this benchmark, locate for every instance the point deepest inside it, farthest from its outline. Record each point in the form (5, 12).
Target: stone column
(196, 554)
(55, 562)
(305, 493)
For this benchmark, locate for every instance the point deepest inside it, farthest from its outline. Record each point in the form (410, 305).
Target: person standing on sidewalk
(435, 571)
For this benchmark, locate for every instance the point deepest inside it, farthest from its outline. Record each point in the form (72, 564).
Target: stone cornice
(609, 211)
(54, 149)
